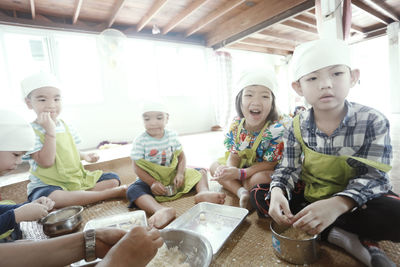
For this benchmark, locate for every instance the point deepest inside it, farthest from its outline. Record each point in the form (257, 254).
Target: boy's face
(256, 105)
(45, 99)
(155, 122)
(9, 161)
(326, 89)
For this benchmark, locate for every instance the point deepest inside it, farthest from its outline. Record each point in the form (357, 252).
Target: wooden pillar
(393, 33)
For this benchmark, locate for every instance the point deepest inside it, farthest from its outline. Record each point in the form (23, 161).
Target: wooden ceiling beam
(155, 8)
(33, 11)
(282, 36)
(372, 12)
(307, 20)
(78, 6)
(220, 11)
(387, 9)
(265, 43)
(300, 26)
(254, 19)
(260, 49)
(184, 14)
(115, 11)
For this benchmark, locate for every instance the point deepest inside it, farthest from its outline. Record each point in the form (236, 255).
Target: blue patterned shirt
(363, 132)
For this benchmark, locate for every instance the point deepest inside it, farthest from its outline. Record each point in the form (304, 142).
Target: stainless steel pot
(62, 221)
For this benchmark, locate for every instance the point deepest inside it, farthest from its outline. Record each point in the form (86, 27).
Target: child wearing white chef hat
(333, 177)
(56, 168)
(16, 137)
(159, 161)
(254, 140)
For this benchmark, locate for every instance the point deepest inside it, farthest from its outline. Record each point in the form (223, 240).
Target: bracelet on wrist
(90, 244)
(242, 174)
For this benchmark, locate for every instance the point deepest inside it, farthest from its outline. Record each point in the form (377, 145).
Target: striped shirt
(158, 151)
(35, 182)
(363, 132)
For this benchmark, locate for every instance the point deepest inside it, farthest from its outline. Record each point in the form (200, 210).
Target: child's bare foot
(210, 196)
(162, 217)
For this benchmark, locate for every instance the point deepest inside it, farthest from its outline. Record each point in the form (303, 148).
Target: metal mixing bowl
(62, 221)
(196, 247)
(294, 251)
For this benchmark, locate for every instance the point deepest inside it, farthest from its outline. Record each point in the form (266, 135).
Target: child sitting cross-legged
(56, 168)
(333, 177)
(159, 161)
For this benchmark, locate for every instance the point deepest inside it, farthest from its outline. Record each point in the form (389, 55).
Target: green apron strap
(297, 131)
(259, 137)
(240, 127)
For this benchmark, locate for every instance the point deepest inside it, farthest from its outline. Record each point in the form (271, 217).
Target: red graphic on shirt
(153, 152)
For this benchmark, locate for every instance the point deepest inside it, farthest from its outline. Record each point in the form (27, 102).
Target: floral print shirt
(271, 145)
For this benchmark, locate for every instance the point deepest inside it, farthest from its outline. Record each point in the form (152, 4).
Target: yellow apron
(325, 175)
(166, 175)
(248, 155)
(67, 172)
(8, 233)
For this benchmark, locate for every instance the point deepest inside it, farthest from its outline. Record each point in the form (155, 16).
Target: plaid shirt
(364, 132)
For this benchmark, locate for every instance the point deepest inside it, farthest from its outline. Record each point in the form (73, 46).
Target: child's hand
(44, 119)
(158, 189)
(279, 207)
(48, 202)
(179, 180)
(314, 218)
(226, 173)
(90, 157)
(30, 212)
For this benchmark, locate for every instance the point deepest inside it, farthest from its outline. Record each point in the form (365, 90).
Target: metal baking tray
(213, 221)
(124, 221)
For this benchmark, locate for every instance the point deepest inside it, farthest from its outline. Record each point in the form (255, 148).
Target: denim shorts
(45, 191)
(136, 190)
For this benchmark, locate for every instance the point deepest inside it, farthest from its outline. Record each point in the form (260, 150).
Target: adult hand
(106, 238)
(279, 207)
(30, 212)
(317, 216)
(48, 202)
(158, 189)
(44, 119)
(136, 248)
(226, 173)
(90, 157)
(179, 180)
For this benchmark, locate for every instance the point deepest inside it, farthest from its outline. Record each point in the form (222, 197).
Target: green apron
(67, 172)
(325, 175)
(248, 155)
(8, 233)
(166, 175)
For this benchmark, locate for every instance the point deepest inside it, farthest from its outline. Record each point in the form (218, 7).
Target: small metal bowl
(170, 190)
(62, 221)
(291, 250)
(196, 247)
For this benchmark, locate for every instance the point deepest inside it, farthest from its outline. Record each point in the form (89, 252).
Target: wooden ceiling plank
(388, 10)
(220, 11)
(77, 11)
(150, 14)
(306, 20)
(254, 19)
(189, 10)
(115, 12)
(265, 43)
(43, 18)
(282, 36)
(33, 11)
(357, 28)
(372, 12)
(300, 26)
(260, 49)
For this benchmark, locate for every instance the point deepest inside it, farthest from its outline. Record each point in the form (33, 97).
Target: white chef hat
(154, 105)
(312, 56)
(16, 134)
(39, 80)
(259, 76)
